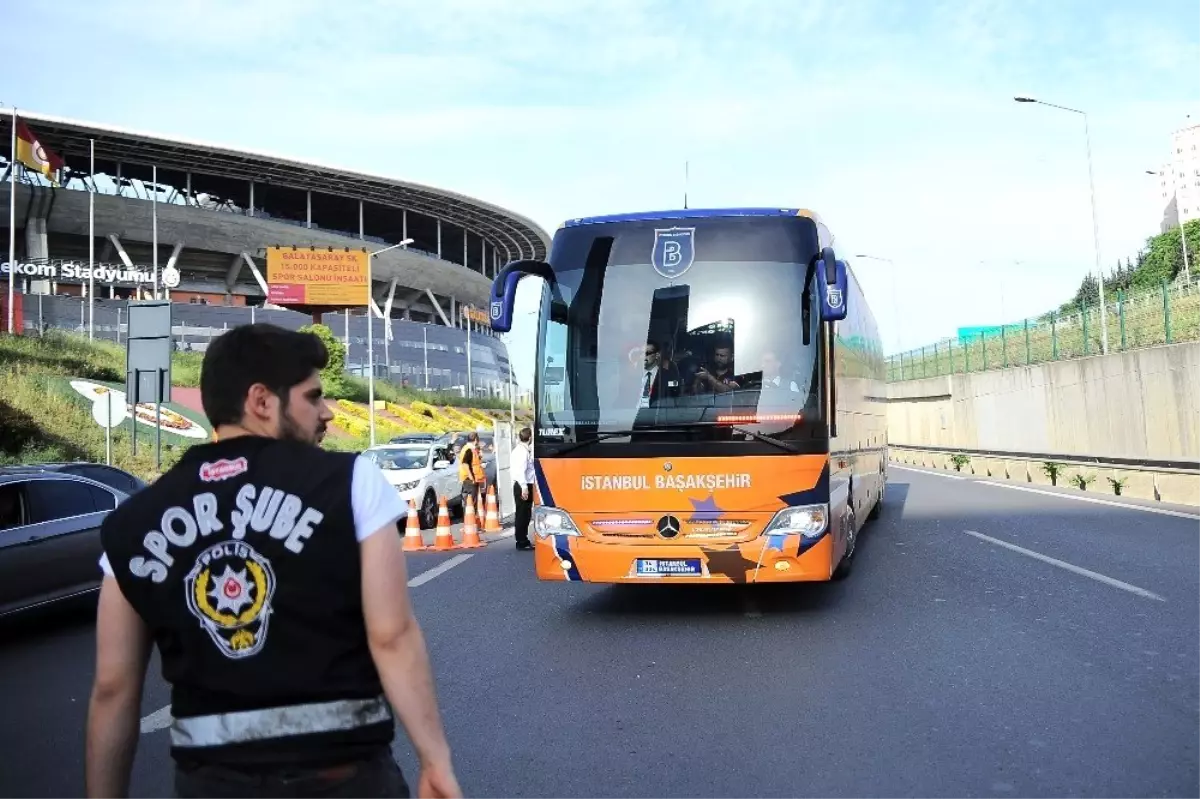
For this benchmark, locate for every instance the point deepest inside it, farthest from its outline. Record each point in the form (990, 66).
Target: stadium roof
(519, 236)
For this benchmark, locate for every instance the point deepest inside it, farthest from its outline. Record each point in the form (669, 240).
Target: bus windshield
(711, 354)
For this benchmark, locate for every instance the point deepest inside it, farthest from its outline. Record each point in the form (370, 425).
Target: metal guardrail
(1111, 462)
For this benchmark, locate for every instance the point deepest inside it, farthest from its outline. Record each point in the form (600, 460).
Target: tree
(1089, 291)
(333, 376)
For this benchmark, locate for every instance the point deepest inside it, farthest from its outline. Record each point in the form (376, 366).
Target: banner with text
(306, 276)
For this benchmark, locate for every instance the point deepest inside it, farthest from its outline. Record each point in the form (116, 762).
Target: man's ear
(261, 402)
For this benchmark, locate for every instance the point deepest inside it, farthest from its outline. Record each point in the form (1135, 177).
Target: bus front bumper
(561, 558)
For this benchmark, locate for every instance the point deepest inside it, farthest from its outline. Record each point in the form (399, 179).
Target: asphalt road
(1052, 650)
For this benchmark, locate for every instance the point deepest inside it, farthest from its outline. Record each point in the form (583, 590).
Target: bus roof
(690, 213)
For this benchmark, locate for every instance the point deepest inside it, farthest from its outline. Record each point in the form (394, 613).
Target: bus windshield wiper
(775, 442)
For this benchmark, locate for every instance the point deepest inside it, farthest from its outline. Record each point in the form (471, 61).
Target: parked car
(111, 476)
(50, 535)
(423, 473)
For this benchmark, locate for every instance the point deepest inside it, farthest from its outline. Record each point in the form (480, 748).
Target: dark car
(111, 476)
(415, 438)
(50, 535)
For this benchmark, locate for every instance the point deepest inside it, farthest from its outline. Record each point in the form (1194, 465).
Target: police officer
(471, 470)
(270, 574)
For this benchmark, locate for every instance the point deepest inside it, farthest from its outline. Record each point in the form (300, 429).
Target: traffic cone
(470, 527)
(491, 522)
(444, 539)
(413, 540)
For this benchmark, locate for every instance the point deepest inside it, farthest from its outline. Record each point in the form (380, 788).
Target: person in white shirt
(522, 473)
(771, 375)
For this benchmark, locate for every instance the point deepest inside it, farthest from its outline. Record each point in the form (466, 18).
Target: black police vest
(242, 559)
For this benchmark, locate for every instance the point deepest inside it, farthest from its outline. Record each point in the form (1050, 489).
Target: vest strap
(277, 722)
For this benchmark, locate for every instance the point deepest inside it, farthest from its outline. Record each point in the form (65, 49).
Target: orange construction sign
(312, 276)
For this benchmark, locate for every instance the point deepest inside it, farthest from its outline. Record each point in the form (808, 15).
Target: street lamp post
(1095, 224)
(895, 304)
(1187, 271)
(371, 337)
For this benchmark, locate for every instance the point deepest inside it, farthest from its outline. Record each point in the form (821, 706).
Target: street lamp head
(1025, 99)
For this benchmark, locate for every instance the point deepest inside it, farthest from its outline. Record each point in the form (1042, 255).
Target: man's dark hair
(525, 434)
(472, 436)
(274, 356)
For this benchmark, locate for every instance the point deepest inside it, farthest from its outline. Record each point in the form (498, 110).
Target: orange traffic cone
(491, 522)
(470, 527)
(413, 540)
(444, 539)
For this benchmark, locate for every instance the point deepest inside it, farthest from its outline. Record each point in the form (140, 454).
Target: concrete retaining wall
(1142, 404)
(1138, 404)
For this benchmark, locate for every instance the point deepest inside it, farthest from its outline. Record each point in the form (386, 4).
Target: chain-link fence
(417, 356)
(1168, 314)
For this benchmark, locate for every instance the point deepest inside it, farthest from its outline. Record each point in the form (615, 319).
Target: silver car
(50, 536)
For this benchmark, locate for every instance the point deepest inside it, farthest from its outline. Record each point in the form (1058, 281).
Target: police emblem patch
(674, 251)
(229, 590)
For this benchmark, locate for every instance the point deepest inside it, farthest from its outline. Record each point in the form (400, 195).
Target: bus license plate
(655, 567)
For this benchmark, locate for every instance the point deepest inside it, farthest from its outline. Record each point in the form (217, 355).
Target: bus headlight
(552, 521)
(807, 520)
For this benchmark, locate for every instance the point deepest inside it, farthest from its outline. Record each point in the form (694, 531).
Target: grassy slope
(39, 424)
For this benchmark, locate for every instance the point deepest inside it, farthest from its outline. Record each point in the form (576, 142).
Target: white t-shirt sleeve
(105, 566)
(374, 500)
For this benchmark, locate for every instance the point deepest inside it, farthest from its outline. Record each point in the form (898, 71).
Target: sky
(893, 121)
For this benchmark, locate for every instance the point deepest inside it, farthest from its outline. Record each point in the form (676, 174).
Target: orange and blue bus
(709, 399)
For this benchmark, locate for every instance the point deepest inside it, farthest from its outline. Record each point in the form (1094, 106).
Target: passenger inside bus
(718, 377)
(656, 379)
(772, 378)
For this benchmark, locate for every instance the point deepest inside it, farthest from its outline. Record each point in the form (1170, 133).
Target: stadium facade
(193, 220)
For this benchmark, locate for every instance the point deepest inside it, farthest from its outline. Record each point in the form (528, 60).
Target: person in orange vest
(470, 468)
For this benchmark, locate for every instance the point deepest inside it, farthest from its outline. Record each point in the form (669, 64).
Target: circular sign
(170, 277)
(109, 411)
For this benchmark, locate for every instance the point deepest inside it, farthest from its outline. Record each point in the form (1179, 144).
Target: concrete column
(439, 238)
(308, 212)
(252, 198)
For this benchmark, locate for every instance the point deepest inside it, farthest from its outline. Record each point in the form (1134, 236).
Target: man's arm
(122, 652)
(398, 649)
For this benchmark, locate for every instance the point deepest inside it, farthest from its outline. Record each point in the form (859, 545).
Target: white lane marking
(158, 720)
(1133, 589)
(983, 481)
(161, 718)
(439, 569)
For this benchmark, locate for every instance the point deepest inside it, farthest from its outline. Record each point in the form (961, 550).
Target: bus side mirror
(831, 282)
(504, 290)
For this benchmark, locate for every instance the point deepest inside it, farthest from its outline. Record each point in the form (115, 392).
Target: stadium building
(192, 221)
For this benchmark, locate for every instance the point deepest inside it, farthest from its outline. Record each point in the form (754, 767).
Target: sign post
(148, 364)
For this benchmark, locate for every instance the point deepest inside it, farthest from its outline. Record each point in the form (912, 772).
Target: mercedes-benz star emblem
(668, 527)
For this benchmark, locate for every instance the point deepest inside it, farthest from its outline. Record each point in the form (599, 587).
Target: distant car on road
(50, 535)
(415, 438)
(422, 472)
